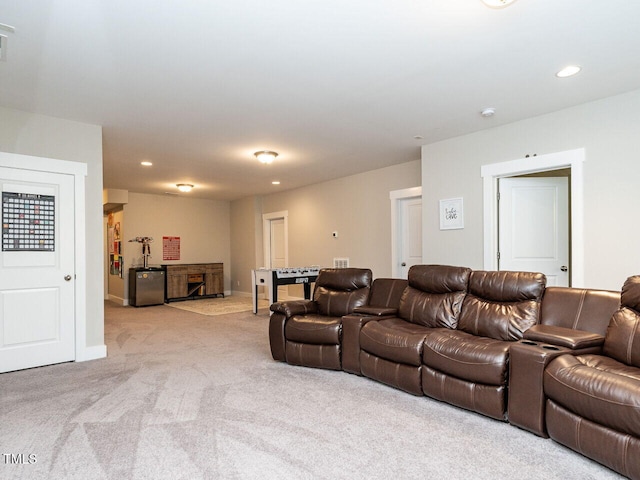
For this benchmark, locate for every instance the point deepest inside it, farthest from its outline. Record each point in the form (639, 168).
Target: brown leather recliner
(593, 404)
(309, 332)
(572, 321)
(391, 348)
(468, 367)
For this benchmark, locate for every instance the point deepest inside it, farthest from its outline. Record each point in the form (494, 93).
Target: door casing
(573, 159)
(79, 171)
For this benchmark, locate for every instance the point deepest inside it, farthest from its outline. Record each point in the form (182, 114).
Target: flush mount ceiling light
(488, 112)
(569, 71)
(146, 163)
(266, 156)
(184, 187)
(497, 3)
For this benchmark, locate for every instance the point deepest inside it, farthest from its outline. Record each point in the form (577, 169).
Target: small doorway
(275, 228)
(406, 230)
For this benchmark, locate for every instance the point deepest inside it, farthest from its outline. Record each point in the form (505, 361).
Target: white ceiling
(337, 87)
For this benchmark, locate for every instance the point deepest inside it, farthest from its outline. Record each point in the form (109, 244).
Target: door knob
(564, 268)
(403, 264)
(67, 278)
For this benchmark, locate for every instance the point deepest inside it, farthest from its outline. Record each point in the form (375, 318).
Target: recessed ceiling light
(184, 187)
(275, 182)
(569, 71)
(146, 163)
(497, 3)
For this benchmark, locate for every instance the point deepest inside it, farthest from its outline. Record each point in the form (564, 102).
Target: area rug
(218, 305)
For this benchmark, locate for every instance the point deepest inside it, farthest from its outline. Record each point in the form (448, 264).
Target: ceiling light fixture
(569, 71)
(146, 163)
(275, 182)
(184, 187)
(497, 3)
(266, 156)
(488, 112)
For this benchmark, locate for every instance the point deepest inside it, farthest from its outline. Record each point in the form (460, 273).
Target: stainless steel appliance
(146, 286)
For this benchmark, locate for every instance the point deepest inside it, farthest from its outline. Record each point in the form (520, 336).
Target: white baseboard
(93, 353)
(240, 294)
(120, 301)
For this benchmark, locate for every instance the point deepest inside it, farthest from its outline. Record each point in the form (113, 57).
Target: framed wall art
(451, 214)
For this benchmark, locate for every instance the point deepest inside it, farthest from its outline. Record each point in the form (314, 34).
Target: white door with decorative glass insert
(534, 227)
(37, 291)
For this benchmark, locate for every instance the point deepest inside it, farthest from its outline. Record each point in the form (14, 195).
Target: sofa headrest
(631, 293)
(579, 308)
(502, 305)
(506, 286)
(439, 278)
(386, 292)
(344, 279)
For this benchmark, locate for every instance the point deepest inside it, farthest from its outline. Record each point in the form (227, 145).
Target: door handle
(564, 268)
(403, 264)
(67, 278)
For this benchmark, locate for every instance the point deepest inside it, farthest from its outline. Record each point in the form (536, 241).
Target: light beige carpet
(218, 305)
(186, 396)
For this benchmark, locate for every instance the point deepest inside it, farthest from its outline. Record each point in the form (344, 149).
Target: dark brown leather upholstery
(339, 291)
(383, 302)
(573, 320)
(309, 332)
(578, 308)
(468, 367)
(391, 349)
(502, 305)
(594, 400)
(434, 295)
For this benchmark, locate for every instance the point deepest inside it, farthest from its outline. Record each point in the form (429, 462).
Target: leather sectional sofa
(559, 362)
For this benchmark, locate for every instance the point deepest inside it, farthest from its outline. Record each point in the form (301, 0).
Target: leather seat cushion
(394, 339)
(597, 388)
(468, 357)
(314, 329)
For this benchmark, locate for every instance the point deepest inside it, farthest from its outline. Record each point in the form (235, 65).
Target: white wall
(38, 135)
(357, 207)
(607, 129)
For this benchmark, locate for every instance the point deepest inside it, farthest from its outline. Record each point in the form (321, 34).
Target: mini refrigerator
(146, 286)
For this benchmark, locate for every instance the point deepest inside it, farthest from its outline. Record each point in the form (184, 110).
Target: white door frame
(79, 171)
(396, 196)
(573, 159)
(266, 235)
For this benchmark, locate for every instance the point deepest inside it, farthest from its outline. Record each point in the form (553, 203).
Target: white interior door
(411, 234)
(276, 245)
(533, 224)
(37, 294)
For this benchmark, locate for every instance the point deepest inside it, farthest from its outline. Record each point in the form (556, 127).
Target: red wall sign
(171, 248)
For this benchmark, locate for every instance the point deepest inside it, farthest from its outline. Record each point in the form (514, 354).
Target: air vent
(341, 262)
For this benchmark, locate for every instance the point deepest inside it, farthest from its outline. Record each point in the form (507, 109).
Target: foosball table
(272, 278)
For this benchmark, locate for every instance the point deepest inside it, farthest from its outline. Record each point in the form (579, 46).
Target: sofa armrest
(376, 311)
(564, 337)
(294, 307)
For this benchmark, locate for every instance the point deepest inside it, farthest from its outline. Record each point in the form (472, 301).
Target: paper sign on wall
(171, 248)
